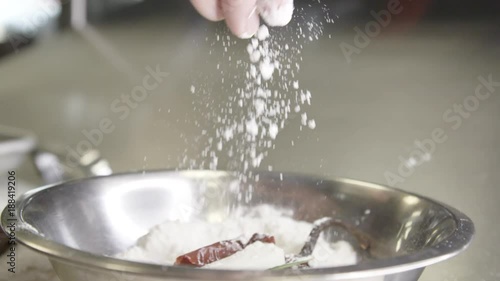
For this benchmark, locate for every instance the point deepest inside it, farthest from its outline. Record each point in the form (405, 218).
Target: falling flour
(263, 91)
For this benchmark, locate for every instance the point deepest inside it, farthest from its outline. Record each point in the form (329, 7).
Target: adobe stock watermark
(47, 10)
(371, 29)
(454, 117)
(121, 108)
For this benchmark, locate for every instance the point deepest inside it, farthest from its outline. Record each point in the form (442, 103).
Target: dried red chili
(219, 250)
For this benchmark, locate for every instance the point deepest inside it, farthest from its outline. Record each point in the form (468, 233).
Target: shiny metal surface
(17, 145)
(78, 223)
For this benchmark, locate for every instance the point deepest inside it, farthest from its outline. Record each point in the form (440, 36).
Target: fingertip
(242, 17)
(252, 26)
(209, 9)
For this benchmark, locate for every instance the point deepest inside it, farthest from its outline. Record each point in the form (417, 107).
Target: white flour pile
(263, 92)
(165, 242)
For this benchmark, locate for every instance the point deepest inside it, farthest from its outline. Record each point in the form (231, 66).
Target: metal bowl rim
(457, 242)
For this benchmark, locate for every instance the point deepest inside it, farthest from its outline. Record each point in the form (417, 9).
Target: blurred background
(63, 64)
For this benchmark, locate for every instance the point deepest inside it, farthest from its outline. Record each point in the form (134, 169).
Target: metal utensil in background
(18, 146)
(52, 167)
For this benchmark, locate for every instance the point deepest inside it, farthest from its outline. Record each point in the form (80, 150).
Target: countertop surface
(369, 112)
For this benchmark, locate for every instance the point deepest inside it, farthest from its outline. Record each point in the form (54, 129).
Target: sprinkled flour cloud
(262, 93)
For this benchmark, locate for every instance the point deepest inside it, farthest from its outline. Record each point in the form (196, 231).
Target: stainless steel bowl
(79, 224)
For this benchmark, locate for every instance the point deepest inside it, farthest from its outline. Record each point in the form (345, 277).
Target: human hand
(242, 16)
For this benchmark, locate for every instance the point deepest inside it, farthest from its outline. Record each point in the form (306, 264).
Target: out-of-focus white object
(26, 17)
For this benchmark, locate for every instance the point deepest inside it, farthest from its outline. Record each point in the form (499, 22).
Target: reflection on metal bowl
(79, 224)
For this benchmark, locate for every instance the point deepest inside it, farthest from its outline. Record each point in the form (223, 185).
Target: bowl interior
(107, 215)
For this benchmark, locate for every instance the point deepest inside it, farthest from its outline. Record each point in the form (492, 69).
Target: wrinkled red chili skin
(219, 250)
(262, 238)
(210, 253)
